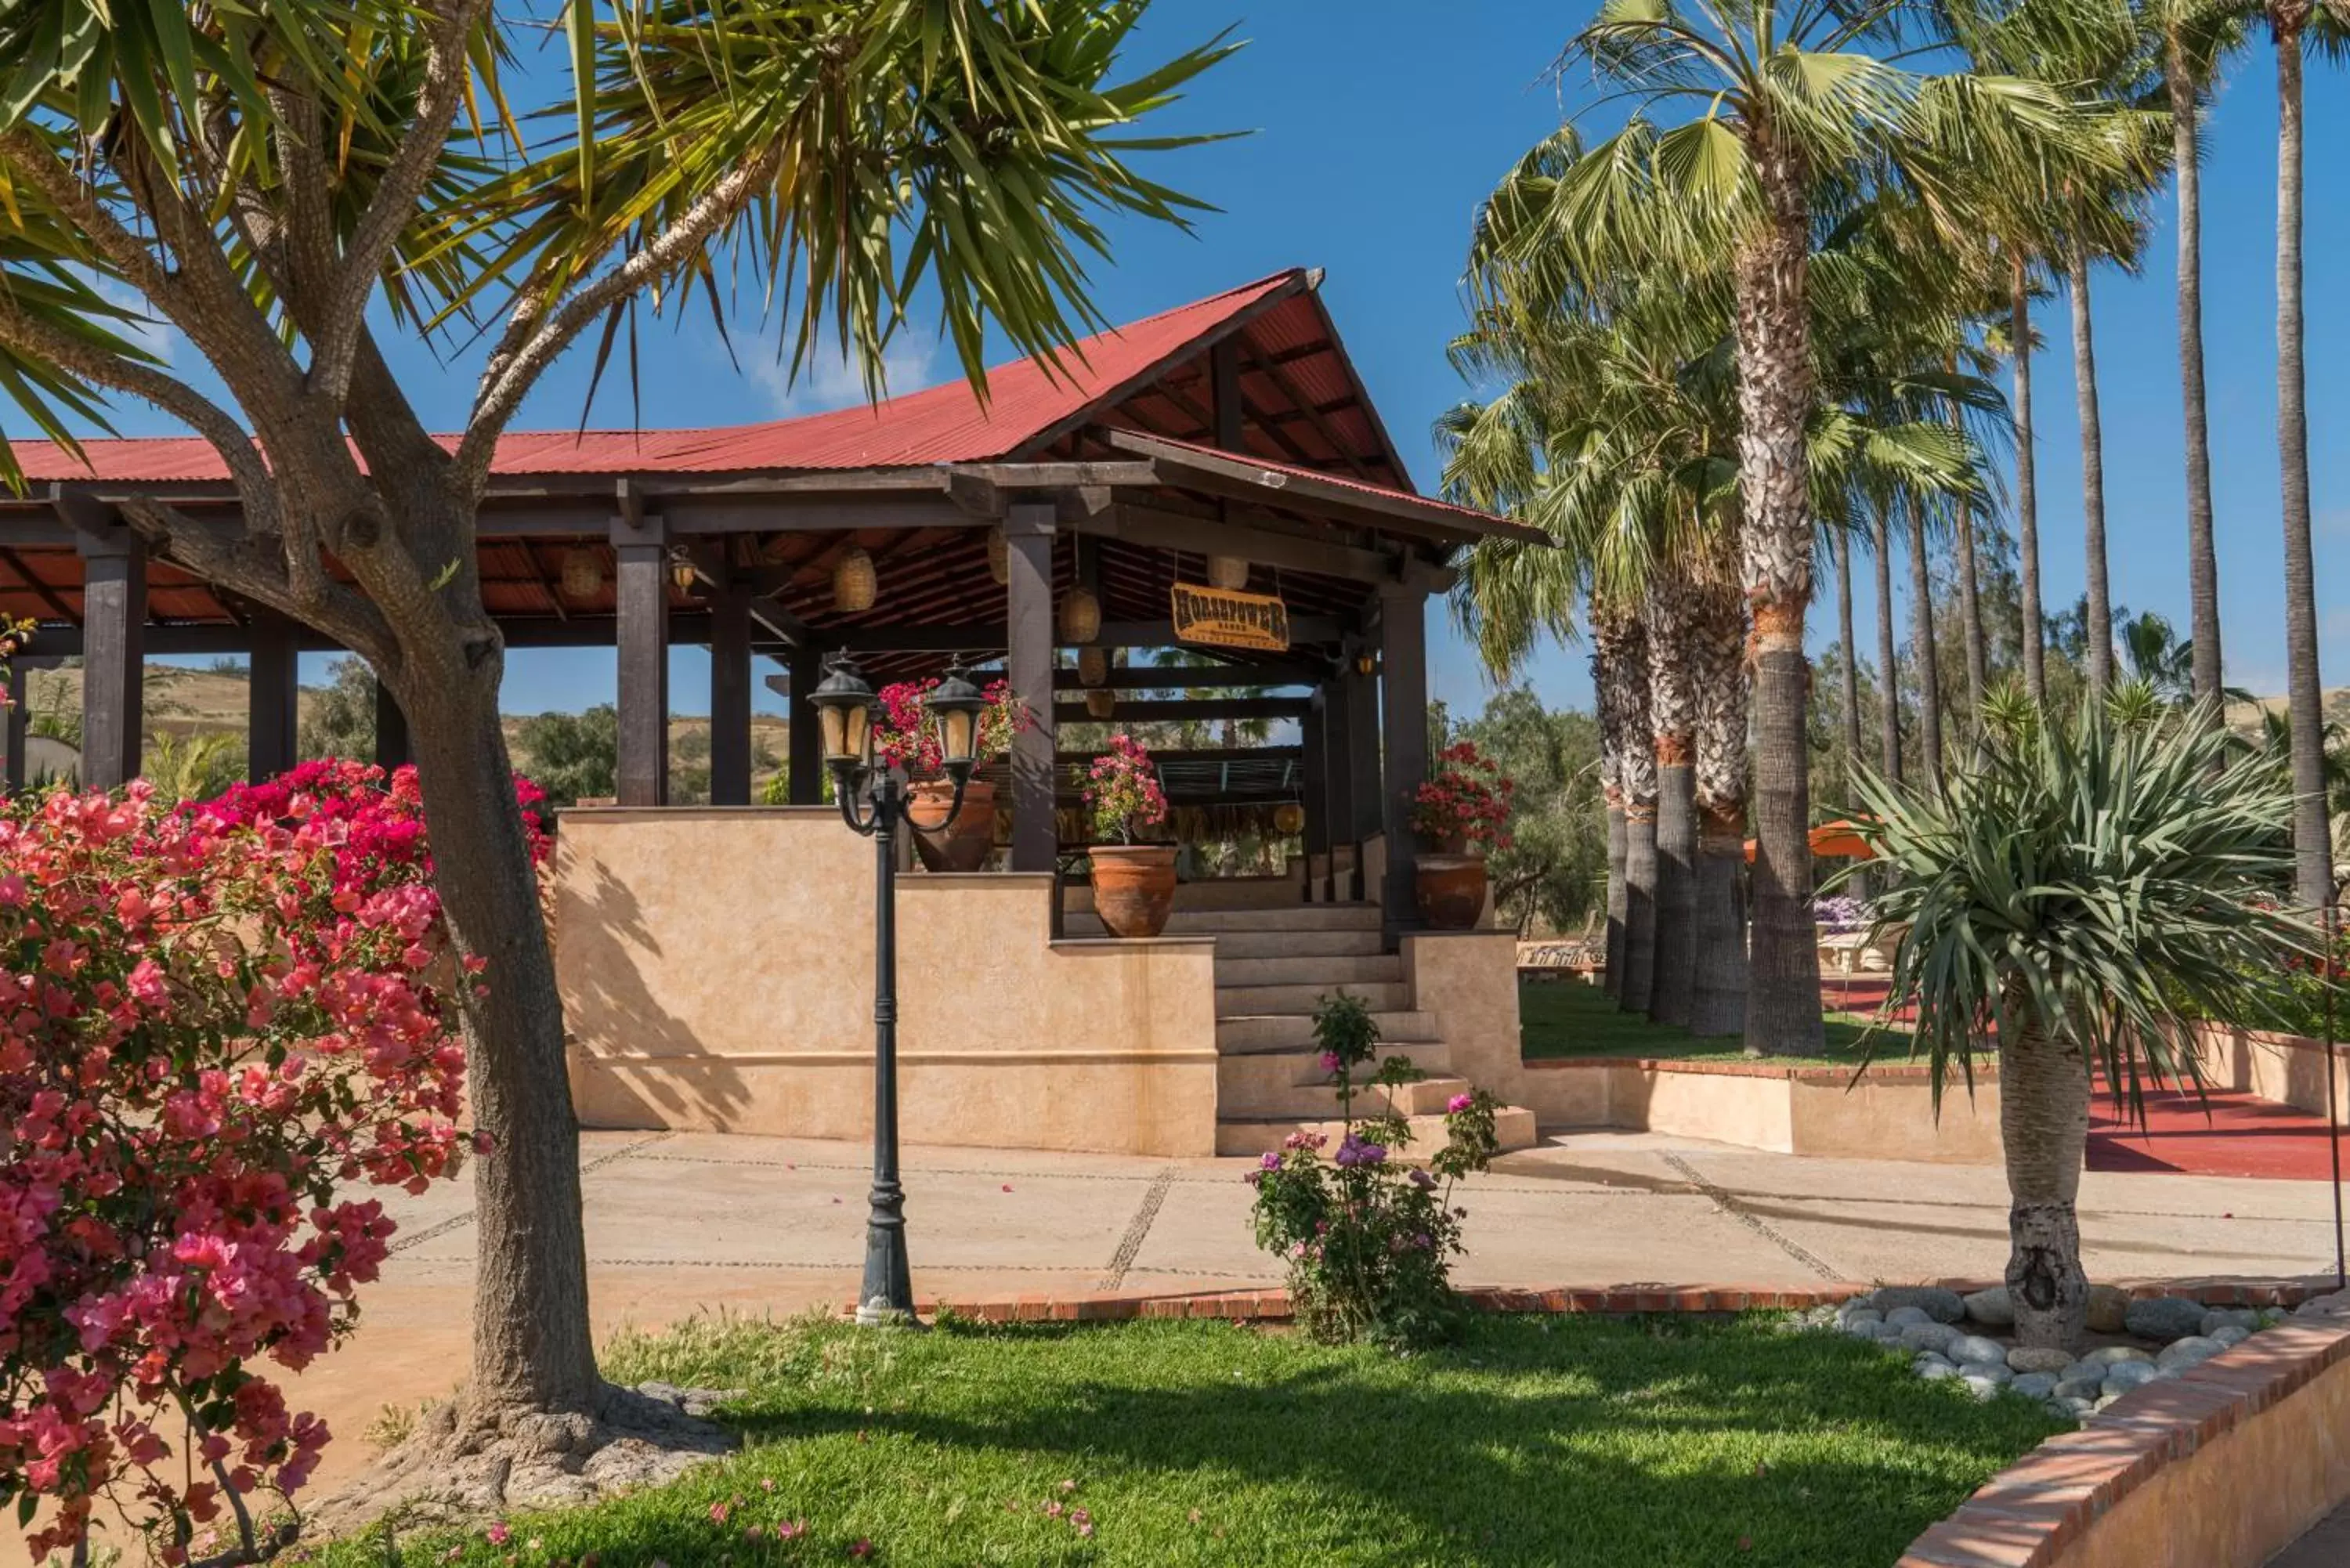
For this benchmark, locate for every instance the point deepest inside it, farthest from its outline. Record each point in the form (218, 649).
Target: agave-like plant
(2074, 906)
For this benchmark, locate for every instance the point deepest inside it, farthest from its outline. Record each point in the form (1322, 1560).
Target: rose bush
(219, 1021)
(1466, 796)
(1368, 1239)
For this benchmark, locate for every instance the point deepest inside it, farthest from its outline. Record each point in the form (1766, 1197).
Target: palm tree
(1848, 717)
(1921, 648)
(1888, 652)
(2076, 904)
(2292, 25)
(2190, 39)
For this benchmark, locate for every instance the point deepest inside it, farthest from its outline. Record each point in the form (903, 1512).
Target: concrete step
(1239, 1001)
(1253, 945)
(1353, 971)
(1266, 1082)
(1512, 1124)
(1319, 1100)
(1287, 1031)
(1216, 922)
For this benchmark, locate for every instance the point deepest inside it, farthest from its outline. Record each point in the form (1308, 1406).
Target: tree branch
(256, 567)
(335, 347)
(530, 346)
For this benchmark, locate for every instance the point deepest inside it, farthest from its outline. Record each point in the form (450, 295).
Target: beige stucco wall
(1469, 980)
(1882, 1117)
(717, 972)
(1893, 1119)
(2287, 1068)
(2240, 1498)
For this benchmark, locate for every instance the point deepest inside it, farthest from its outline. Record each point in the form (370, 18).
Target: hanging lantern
(681, 572)
(853, 583)
(1080, 616)
(1100, 704)
(1092, 665)
(583, 573)
(1288, 817)
(1229, 573)
(999, 556)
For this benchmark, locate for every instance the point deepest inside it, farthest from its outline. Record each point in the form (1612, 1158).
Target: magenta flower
(1460, 1103)
(1356, 1151)
(1330, 1061)
(1270, 1161)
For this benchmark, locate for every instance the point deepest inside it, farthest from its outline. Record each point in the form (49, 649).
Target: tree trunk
(1618, 895)
(2100, 625)
(1673, 717)
(1640, 905)
(2202, 552)
(1776, 399)
(1718, 1003)
(1849, 731)
(2032, 635)
(1970, 618)
(2044, 1123)
(532, 1349)
(1888, 659)
(2313, 853)
(1921, 648)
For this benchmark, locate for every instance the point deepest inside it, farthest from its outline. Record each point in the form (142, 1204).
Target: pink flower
(1460, 1103)
(498, 1533)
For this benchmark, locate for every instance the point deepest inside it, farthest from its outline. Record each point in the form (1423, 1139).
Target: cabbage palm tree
(2074, 906)
(1785, 100)
(2293, 27)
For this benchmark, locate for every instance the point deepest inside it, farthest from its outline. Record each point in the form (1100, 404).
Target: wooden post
(642, 633)
(730, 695)
(16, 737)
(1028, 665)
(804, 760)
(1403, 660)
(273, 687)
(1363, 743)
(1224, 381)
(113, 629)
(390, 730)
(1315, 792)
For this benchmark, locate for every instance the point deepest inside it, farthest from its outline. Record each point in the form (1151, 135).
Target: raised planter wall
(2287, 1068)
(717, 969)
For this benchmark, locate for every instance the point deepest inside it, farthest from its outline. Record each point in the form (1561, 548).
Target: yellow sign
(1223, 617)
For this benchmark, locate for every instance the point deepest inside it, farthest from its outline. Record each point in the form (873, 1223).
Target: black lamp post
(874, 802)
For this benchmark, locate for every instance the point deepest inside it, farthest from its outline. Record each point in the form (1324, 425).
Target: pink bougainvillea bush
(220, 1023)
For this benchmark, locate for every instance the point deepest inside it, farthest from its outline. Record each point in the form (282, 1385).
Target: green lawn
(1568, 1018)
(1551, 1441)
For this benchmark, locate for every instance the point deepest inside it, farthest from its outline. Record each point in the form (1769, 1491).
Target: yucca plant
(2074, 906)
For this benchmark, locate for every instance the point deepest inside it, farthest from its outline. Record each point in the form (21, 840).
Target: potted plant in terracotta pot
(1133, 883)
(1462, 811)
(905, 734)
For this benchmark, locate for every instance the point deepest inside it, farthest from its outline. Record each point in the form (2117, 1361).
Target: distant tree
(574, 755)
(1554, 871)
(342, 722)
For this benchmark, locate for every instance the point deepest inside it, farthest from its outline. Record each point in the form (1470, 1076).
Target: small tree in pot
(1133, 883)
(905, 735)
(2074, 907)
(1462, 809)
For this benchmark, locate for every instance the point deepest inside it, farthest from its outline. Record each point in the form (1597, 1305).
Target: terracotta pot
(962, 845)
(1134, 886)
(1450, 890)
(1456, 844)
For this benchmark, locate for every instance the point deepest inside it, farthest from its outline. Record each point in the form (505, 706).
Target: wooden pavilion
(1233, 429)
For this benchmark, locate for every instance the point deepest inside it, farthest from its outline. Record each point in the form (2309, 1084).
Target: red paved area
(2220, 1134)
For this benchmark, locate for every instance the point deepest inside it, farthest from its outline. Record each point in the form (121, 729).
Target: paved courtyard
(687, 1222)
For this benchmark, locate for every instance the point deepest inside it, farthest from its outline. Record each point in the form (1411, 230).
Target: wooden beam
(1403, 672)
(804, 759)
(1028, 665)
(1304, 405)
(391, 747)
(1314, 786)
(272, 691)
(730, 695)
(1204, 754)
(40, 589)
(1224, 392)
(1360, 693)
(1161, 530)
(1149, 709)
(643, 638)
(1188, 676)
(15, 731)
(114, 624)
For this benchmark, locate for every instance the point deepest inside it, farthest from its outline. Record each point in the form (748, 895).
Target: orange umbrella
(1832, 840)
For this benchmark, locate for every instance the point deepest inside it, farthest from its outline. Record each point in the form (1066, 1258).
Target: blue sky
(1377, 127)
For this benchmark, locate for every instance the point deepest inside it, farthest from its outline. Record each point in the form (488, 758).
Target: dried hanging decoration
(999, 556)
(854, 586)
(583, 573)
(1229, 573)
(1289, 817)
(1101, 704)
(1080, 616)
(1092, 665)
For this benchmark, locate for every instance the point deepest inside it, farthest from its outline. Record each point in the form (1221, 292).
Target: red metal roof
(946, 423)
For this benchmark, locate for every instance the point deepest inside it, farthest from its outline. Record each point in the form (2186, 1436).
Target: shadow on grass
(1648, 1444)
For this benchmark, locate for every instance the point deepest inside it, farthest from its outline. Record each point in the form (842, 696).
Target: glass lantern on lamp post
(874, 802)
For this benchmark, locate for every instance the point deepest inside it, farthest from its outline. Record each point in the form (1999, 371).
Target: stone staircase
(1274, 967)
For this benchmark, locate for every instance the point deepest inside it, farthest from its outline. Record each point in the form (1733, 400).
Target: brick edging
(2031, 1512)
(1896, 1072)
(1272, 1304)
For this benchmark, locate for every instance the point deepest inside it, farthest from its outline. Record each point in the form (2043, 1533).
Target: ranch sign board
(1223, 617)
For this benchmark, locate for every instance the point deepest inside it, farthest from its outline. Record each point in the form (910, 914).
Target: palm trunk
(1921, 648)
(2202, 552)
(1776, 399)
(1718, 1005)
(1619, 896)
(2033, 635)
(1639, 761)
(532, 1345)
(1606, 675)
(1848, 730)
(2100, 626)
(2044, 1123)
(2312, 853)
(1673, 714)
(1971, 616)
(1889, 660)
